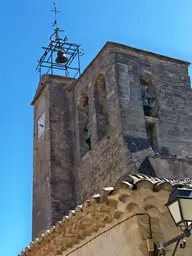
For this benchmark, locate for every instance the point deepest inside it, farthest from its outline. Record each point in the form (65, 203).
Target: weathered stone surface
(66, 171)
(41, 175)
(53, 156)
(171, 167)
(134, 197)
(144, 217)
(174, 99)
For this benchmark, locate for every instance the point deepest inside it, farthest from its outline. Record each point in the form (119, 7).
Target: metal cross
(55, 11)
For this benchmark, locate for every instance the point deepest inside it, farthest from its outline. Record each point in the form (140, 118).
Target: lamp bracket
(159, 247)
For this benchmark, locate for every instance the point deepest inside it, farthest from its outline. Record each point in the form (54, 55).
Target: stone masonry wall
(109, 158)
(171, 167)
(122, 69)
(53, 155)
(172, 84)
(66, 171)
(129, 234)
(122, 240)
(62, 182)
(41, 173)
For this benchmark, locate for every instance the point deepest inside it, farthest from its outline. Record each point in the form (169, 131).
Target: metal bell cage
(67, 56)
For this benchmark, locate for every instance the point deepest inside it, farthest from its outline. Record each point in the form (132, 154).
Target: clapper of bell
(61, 57)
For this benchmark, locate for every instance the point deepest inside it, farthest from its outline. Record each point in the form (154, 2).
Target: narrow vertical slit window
(101, 107)
(152, 135)
(84, 130)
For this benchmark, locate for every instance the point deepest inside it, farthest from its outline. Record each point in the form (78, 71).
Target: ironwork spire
(60, 55)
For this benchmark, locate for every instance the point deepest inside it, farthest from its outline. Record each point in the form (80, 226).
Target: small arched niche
(84, 123)
(101, 106)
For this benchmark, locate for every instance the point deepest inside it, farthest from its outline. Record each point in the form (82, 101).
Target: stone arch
(84, 123)
(101, 109)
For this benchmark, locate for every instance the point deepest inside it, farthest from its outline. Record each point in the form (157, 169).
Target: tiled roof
(95, 213)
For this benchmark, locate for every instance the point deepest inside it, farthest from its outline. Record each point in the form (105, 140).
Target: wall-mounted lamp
(180, 207)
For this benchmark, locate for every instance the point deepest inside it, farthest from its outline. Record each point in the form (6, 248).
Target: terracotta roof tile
(79, 230)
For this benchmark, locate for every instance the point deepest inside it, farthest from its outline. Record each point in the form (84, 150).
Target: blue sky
(159, 26)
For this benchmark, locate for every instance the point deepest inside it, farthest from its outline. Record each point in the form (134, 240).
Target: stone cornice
(45, 79)
(111, 47)
(147, 53)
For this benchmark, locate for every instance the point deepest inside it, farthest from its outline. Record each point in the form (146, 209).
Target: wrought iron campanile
(60, 54)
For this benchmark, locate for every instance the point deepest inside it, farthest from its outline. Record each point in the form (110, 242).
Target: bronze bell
(147, 107)
(146, 103)
(61, 57)
(88, 138)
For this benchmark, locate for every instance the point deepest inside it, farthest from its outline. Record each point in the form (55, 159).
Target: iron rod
(173, 240)
(176, 246)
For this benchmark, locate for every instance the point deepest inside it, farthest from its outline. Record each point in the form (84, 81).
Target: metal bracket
(160, 246)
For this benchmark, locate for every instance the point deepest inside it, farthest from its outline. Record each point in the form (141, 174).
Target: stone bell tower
(53, 182)
(128, 112)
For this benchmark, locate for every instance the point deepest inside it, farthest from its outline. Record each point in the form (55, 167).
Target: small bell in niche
(146, 106)
(61, 57)
(88, 138)
(147, 100)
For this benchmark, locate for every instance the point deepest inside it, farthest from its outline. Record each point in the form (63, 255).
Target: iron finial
(55, 11)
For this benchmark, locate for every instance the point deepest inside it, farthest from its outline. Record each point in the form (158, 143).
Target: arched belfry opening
(149, 97)
(84, 124)
(101, 109)
(150, 109)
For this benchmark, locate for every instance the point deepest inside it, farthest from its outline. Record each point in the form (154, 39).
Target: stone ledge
(150, 119)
